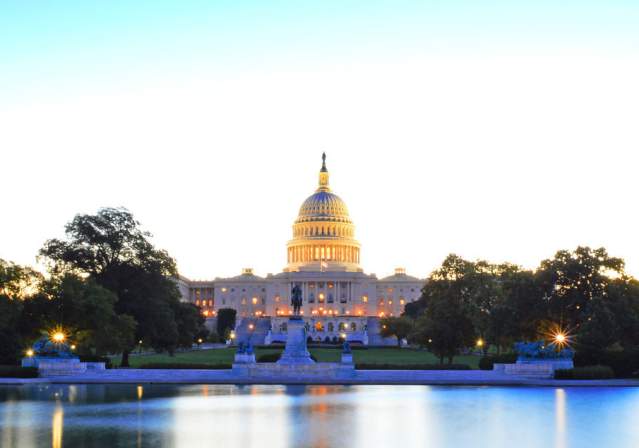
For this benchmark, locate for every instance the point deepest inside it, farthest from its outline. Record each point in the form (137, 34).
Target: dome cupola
(323, 233)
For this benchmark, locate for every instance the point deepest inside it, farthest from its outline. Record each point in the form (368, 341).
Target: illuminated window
(254, 300)
(223, 289)
(365, 299)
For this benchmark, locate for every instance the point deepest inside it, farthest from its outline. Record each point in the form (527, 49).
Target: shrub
(487, 362)
(625, 364)
(18, 372)
(188, 366)
(585, 373)
(368, 366)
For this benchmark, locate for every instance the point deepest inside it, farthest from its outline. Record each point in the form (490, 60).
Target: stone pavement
(395, 377)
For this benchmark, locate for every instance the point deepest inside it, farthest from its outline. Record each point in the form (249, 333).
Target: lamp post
(140, 346)
(480, 344)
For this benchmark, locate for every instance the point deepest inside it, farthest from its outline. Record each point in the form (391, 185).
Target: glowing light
(72, 346)
(251, 326)
(343, 335)
(199, 341)
(58, 336)
(29, 353)
(480, 342)
(140, 342)
(559, 337)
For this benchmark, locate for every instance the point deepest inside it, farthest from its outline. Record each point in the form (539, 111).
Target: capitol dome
(323, 233)
(323, 206)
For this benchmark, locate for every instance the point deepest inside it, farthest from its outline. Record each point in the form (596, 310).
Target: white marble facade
(339, 299)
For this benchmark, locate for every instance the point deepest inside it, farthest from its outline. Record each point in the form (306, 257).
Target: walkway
(398, 377)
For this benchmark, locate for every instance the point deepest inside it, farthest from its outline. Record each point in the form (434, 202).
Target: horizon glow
(493, 129)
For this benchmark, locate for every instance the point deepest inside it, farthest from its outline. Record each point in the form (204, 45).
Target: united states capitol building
(339, 299)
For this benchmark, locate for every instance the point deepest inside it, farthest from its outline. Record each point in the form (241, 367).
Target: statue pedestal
(295, 351)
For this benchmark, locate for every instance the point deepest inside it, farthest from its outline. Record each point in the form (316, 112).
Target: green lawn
(404, 356)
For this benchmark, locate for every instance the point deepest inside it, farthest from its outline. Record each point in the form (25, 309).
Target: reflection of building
(323, 259)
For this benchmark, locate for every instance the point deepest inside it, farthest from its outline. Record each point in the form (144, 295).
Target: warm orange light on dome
(323, 233)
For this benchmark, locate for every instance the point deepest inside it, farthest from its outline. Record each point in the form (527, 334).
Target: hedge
(183, 365)
(624, 364)
(18, 372)
(585, 373)
(369, 366)
(487, 362)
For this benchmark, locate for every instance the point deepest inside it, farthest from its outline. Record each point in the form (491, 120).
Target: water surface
(317, 416)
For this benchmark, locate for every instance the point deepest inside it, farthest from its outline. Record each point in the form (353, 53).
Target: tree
(571, 280)
(111, 249)
(84, 310)
(446, 325)
(399, 327)
(225, 321)
(516, 314)
(190, 324)
(445, 329)
(18, 284)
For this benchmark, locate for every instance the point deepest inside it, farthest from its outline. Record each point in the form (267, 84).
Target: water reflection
(57, 426)
(560, 418)
(316, 416)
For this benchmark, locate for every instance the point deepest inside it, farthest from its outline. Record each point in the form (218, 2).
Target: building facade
(340, 301)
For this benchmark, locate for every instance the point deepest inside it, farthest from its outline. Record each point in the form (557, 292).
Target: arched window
(331, 327)
(283, 327)
(353, 326)
(342, 326)
(319, 326)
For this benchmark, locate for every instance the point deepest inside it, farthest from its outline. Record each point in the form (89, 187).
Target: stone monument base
(295, 351)
(286, 373)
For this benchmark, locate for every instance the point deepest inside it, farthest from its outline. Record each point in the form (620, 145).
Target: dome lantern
(323, 233)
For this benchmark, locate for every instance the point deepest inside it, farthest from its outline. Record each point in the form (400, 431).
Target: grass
(391, 355)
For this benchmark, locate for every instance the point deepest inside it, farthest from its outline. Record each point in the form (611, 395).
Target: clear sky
(501, 130)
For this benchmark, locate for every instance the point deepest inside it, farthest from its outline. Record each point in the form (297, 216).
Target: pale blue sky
(503, 130)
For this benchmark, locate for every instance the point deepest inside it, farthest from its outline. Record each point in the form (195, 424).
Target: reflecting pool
(317, 416)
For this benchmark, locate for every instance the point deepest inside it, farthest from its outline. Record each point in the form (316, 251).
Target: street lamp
(29, 353)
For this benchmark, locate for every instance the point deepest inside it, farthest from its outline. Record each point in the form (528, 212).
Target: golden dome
(323, 233)
(323, 206)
